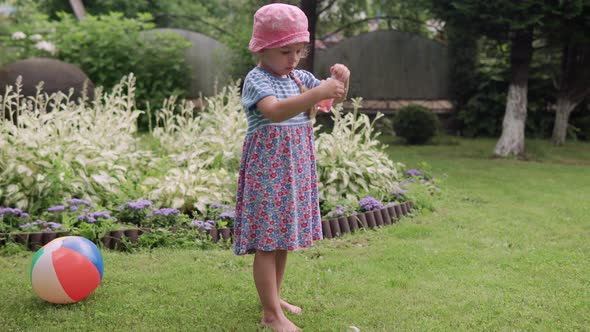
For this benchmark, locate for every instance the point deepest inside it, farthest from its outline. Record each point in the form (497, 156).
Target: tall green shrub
(97, 7)
(109, 47)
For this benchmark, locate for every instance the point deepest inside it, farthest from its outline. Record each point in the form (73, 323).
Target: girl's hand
(340, 72)
(332, 89)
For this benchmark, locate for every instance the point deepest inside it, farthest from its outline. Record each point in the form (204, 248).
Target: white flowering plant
(351, 161)
(204, 151)
(90, 150)
(212, 136)
(60, 149)
(52, 148)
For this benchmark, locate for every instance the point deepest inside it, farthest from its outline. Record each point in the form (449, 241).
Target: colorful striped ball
(66, 270)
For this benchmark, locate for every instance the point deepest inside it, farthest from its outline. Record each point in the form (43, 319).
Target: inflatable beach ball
(66, 270)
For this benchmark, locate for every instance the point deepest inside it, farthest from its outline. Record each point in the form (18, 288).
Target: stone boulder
(208, 59)
(56, 75)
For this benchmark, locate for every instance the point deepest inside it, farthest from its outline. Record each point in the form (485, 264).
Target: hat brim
(257, 45)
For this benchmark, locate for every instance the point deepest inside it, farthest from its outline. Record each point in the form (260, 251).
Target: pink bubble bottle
(326, 104)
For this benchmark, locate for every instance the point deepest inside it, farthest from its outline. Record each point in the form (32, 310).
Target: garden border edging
(331, 228)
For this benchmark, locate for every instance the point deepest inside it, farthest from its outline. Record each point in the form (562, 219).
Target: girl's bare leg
(265, 279)
(281, 263)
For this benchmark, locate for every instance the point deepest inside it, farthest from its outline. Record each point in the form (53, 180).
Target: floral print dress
(277, 198)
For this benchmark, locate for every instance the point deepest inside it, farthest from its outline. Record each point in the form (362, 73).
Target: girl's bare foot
(290, 308)
(280, 324)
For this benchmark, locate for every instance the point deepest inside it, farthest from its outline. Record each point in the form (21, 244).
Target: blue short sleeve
(307, 79)
(256, 87)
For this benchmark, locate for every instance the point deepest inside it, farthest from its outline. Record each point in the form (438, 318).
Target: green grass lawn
(506, 249)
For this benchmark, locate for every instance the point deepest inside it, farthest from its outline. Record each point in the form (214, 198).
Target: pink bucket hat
(277, 25)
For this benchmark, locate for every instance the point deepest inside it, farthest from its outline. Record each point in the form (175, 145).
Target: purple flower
(15, 211)
(413, 172)
(227, 214)
(370, 203)
(27, 225)
(77, 201)
(54, 225)
(197, 223)
(339, 212)
(91, 220)
(24, 215)
(139, 204)
(423, 181)
(32, 224)
(73, 208)
(82, 217)
(400, 194)
(101, 214)
(218, 205)
(57, 208)
(165, 212)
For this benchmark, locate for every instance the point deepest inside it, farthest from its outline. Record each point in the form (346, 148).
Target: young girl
(277, 207)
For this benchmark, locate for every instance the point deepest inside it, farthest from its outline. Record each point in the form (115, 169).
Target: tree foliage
(490, 25)
(230, 21)
(566, 32)
(402, 15)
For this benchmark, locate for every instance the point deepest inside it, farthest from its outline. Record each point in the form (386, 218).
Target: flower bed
(185, 165)
(121, 238)
(140, 224)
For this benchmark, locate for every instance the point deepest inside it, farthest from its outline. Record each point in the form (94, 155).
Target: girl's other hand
(340, 72)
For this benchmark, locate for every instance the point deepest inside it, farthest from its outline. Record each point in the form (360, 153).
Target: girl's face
(282, 60)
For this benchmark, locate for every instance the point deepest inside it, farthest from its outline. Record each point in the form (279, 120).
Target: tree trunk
(511, 141)
(572, 88)
(564, 108)
(79, 10)
(309, 7)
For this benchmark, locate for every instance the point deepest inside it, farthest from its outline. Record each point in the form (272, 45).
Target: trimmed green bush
(415, 123)
(106, 48)
(110, 46)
